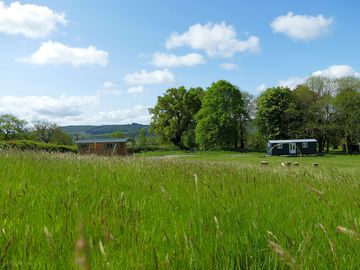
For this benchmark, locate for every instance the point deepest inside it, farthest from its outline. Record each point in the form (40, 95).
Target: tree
(305, 101)
(118, 134)
(12, 127)
(323, 111)
(245, 118)
(173, 117)
(49, 132)
(141, 138)
(219, 119)
(277, 113)
(348, 83)
(347, 104)
(61, 137)
(44, 131)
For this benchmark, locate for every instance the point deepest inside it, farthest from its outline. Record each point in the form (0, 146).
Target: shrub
(36, 146)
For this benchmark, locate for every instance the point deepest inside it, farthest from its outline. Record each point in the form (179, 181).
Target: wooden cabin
(108, 147)
(296, 147)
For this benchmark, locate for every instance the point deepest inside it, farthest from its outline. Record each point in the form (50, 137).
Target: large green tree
(172, 118)
(306, 103)
(62, 137)
(50, 132)
(44, 131)
(347, 104)
(277, 114)
(246, 117)
(322, 125)
(219, 120)
(12, 127)
(141, 138)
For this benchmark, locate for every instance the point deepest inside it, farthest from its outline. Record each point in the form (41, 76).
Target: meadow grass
(207, 211)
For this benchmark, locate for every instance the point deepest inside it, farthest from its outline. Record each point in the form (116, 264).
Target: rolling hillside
(86, 131)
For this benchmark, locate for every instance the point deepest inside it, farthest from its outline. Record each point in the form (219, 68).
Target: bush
(36, 146)
(147, 148)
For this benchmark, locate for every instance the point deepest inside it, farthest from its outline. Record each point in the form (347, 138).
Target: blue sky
(105, 62)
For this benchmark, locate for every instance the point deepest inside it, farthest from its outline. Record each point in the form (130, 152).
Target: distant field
(184, 211)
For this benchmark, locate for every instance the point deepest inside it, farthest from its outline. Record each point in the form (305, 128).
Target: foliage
(61, 137)
(173, 115)
(323, 112)
(154, 147)
(141, 138)
(36, 146)
(246, 118)
(12, 127)
(118, 134)
(347, 104)
(277, 113)
(44, 130)
(50, 132)
(213, 211)
(219, 117)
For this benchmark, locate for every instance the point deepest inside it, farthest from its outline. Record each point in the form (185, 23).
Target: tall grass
(61, 211)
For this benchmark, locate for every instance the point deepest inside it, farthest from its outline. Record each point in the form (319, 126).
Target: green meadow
(183, 211)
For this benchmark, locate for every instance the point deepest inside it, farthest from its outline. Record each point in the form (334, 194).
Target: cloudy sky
(105, 62)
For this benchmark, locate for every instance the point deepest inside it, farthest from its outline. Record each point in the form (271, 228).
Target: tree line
(13, 128)
(223, 117)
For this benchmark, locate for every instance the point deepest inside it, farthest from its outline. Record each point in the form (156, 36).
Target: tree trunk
(320, 145)
(242, 143)
(349, 147)
(236, 135)
(177, 141)
(327, 145)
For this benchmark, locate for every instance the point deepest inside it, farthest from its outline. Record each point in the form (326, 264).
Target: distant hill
(81, 132)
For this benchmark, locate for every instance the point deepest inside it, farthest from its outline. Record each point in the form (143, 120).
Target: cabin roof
(292, 141)
(111, 140)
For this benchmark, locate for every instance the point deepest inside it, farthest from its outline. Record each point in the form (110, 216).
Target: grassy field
(186, 211)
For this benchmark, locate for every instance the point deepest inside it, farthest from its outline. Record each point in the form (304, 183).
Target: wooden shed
(113, 146)
(296, 147)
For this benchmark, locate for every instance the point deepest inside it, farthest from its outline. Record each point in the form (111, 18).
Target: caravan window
(109, 146)
(304, 145)
(83, 146)
(279, 146)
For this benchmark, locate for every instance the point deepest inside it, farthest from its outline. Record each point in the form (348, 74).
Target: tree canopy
(347, 104)
(12, 127)
(277, 113)
(219, 119)
(173, 115)
(50, 132)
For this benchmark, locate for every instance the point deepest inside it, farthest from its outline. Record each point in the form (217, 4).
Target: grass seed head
(351, 233)
(283, 254)
(196, 182)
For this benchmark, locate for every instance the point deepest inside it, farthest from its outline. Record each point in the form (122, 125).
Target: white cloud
(171, 60)
(291, 82)
(302, 27)
(229, 66)
(56, 53)
(136, 91)
(337, 71)
(154, 77)
(261, 88)
(110, 88)
(137, 114)
(29, 20)
(332, 72)
(215, 39)
(109, 85)
(70, 110)
(44, 107)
